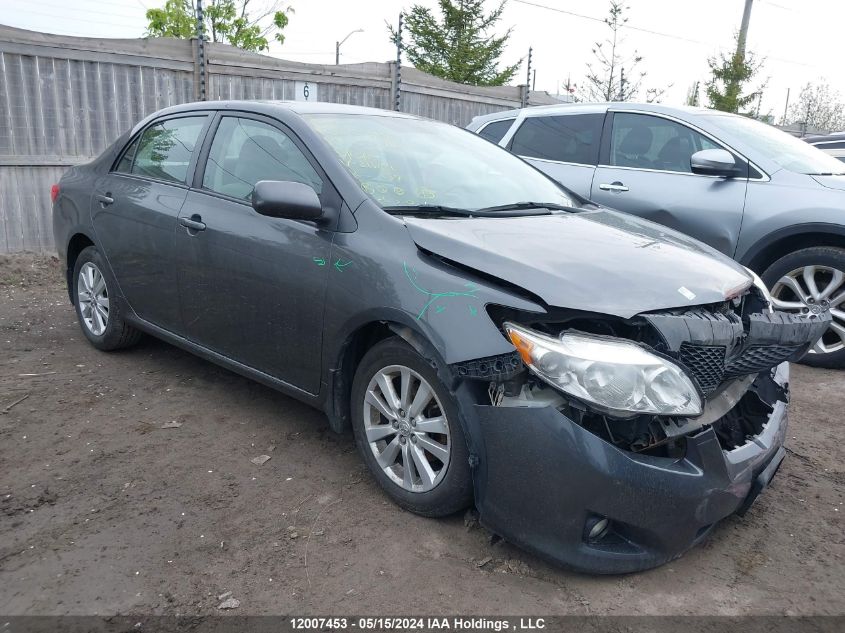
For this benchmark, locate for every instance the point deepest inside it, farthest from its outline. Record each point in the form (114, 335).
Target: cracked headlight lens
(617, 376)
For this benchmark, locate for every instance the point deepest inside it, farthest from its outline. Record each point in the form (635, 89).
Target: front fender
(747, 254)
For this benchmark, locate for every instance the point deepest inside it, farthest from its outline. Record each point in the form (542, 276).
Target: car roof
(270, 107)
(597, 108)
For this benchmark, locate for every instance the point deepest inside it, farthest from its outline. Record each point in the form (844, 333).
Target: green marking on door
(340, 265)
(319, 261)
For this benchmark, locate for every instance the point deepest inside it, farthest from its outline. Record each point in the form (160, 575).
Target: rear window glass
(496, 130)
(165, 148)
(572, 138)
(125, 164)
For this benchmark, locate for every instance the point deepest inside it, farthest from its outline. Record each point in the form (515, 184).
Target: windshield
(405, 162)
(779, 147)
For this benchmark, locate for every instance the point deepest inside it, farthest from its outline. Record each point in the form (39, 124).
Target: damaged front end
(632, 477)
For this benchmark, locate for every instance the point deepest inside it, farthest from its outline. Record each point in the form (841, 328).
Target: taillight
(54, 192)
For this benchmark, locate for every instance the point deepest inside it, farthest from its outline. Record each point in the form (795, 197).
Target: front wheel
(408, 431)
(812, 280)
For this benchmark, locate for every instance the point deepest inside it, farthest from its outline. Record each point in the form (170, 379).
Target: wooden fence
(65, 99)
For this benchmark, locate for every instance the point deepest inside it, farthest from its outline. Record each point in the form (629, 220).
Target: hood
(599, 261)
(831, 182)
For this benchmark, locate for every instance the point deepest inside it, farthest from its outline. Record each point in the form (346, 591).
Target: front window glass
(572, 138)
(165, 149)
(777, 146)
(412, 162)
(649, 142)
(245, 151)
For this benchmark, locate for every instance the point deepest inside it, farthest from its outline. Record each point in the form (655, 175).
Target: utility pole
(201, 50)
(743, 30)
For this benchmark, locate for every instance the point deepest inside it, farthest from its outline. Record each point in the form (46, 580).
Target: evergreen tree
(457, 46)
(729, 76)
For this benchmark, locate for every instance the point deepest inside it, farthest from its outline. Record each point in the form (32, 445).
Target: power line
(98, 11)
(81, 19)
(649, 31)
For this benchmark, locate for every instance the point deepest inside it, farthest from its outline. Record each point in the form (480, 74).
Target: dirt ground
(103, 511)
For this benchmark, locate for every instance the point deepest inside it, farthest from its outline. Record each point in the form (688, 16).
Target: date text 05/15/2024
(419, 623)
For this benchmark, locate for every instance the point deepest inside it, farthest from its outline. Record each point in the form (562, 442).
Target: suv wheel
(407, 428)
(99, 316)
(813, 280)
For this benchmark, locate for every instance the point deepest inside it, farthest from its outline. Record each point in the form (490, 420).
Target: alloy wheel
(93, 297)
(406, 428)
(815, 290)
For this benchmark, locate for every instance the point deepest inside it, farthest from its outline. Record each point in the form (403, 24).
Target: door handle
(194, 223)
(104, 199)
(614, 186)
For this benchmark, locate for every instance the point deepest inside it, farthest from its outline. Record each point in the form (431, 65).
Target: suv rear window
(496, 130)
(570, 138)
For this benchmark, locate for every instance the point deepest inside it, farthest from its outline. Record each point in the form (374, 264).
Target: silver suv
(770, 201)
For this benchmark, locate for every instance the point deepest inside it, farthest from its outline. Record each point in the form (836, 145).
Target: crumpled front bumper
(542, 479)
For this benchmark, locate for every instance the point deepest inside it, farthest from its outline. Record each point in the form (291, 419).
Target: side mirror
(713, 162)
(286, 199)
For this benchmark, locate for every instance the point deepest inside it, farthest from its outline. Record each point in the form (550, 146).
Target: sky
(675, 37)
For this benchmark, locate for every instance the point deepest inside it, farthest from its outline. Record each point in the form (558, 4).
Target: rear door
(253, 287)
(565, 146)
(645, 170)
(134, 211)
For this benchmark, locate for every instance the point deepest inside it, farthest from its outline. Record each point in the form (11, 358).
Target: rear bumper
(543, 479)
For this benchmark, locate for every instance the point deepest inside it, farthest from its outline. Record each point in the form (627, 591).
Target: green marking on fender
(472, 310)
(340, 265)
(411, 274)
(319, 261)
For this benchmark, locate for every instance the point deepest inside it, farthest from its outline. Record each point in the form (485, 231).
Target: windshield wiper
(488, 212)
(428, 209)
(527, 206)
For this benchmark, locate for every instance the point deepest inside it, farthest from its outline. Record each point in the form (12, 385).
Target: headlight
(619, 377)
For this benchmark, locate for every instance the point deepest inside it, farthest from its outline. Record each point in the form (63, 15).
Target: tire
(829, 279)
(433, 488)
(100, 318)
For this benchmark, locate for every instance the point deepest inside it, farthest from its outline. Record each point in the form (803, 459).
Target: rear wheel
(407, 428)
(812, 280)
(99, 315)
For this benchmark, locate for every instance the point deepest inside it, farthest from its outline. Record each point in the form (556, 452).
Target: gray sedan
(770, 201)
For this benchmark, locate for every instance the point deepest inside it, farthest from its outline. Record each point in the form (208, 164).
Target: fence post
(199, 57)
(397, 73)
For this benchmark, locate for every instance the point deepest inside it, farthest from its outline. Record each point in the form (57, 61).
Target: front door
(645, 170)
(134, 210)
(253, 287)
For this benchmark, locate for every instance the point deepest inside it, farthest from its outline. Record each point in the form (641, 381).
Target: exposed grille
(758, 358)
(706, 362)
